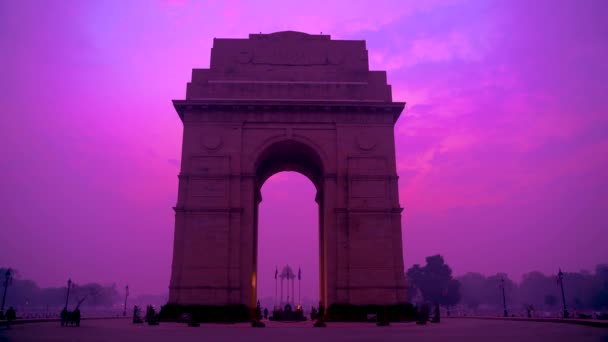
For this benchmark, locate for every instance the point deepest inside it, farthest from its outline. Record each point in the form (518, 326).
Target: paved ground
(448, 330)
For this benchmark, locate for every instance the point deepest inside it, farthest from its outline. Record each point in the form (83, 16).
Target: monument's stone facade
(297, 102)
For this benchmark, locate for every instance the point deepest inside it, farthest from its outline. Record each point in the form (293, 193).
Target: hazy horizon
(502, 149)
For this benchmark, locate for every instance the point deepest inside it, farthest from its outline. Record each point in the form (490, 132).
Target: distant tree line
(434, 283)
(26, 293)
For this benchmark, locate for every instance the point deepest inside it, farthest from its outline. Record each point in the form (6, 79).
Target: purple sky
(502, 149)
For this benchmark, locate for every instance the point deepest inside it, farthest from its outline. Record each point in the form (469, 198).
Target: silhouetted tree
(435, 281)
(23, 292)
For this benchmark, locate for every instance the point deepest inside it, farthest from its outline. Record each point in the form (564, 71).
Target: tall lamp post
(124, 311)
(67, 297)
(504, 298)
(560, 280)
(6, 282)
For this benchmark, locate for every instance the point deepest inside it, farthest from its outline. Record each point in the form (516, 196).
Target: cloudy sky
(502, 149)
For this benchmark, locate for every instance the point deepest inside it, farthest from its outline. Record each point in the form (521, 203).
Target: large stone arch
(276, 102)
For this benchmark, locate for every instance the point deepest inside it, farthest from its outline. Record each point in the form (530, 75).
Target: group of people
(151, 316)
(70, 318)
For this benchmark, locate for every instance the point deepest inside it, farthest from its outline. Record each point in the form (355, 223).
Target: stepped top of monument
(289, 65)
(289, 35)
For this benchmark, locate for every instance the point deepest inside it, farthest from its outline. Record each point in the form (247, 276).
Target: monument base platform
(403, 312)
(288, 316)
(207, 313)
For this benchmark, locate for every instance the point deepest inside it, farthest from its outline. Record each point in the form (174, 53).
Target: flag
(559, 277)
(127, 290)
(276, 272)
(299, 273)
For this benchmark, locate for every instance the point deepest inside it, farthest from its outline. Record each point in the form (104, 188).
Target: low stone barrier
(42, 320)
(587, 322)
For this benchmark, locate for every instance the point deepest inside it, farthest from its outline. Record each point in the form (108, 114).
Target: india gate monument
(287, 101)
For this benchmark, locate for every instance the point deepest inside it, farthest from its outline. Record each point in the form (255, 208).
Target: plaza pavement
(448, 330)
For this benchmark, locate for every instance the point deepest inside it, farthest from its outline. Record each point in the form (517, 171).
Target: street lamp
(67, 297)
(504, 298)
(560, 280)
(124, 312)
(6, 281)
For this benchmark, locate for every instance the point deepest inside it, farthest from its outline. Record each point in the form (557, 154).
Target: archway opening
(288, 234)
(291, 226)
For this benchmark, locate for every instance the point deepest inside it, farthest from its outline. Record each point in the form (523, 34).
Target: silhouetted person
(436, 315)
(265, 313)
(313, 313)
(64, 317)
(10, 316)
(149, 313)
(136, 318)
(150, 316)
(423, 314)
(257, 323)
(258, 311)
(76, 317)
(320, 317)
(321, 313)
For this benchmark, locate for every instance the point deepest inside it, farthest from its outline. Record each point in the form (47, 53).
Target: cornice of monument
(252, 105)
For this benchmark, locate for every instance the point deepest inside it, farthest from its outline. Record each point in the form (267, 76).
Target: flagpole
(276, 286)
(124, 311)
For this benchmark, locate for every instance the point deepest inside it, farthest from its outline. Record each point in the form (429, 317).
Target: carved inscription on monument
(209, 192)
(209, 165)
